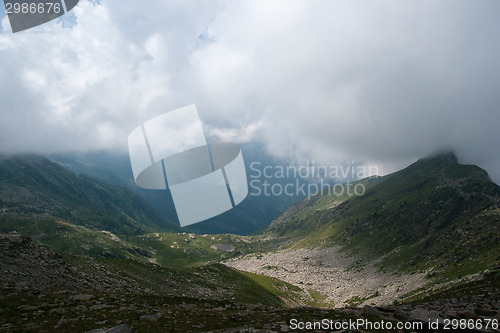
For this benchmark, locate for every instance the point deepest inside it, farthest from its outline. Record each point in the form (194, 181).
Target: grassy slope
(183, 250)
(435, 213)
(125, 289)
(129, 256)
(174, 250)
(302, 223)
(33, 185)
(73, 239)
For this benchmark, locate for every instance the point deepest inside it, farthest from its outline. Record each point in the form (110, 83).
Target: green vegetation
(489, 284)
(304, 222)
(184, 250)
(356, 300)
(435, 214)
(319, 300)
(286, 292)
(73, 239)
(114, 291)
(174, 250)
(33, 185)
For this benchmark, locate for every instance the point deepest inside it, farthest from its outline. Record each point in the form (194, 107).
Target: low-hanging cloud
(378, 82)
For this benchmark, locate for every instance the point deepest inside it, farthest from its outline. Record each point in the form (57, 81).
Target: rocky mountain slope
(42, 290)
(430, 226)
(434, 213)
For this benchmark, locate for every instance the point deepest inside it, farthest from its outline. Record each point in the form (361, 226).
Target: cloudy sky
(380, 82)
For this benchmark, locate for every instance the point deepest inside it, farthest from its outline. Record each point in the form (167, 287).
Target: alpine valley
(83, 253)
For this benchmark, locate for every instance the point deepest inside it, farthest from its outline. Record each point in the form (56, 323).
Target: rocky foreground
(42, 291)
(342, 283)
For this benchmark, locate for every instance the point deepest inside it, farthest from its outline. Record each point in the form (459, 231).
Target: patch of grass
(270, 267)
(357, 300)
(73, 239)
(286, 292)
(319, 300)
(188, 250)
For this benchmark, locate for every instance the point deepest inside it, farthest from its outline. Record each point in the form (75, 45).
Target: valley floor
(339, 279)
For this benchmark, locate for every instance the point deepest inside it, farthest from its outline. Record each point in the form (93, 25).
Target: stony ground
(333, 274)
(41, 292)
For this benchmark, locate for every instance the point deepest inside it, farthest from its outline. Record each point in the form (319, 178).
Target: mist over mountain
(378, 83)
(254, 213)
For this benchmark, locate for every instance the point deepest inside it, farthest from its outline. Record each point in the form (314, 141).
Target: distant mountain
(255, 213)
(436, 214)
(31, 185)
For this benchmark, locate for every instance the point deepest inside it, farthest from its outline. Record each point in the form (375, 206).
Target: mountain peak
(443, 155)
(435, 162)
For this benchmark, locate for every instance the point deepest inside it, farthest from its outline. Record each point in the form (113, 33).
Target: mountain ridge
(31, 184)
(433, 195)
(250, 216)
(436, 219)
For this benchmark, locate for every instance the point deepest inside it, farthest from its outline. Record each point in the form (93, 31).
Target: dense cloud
(380, 82)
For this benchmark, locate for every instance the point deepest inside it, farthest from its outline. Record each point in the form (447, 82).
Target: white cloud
(383, 82)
